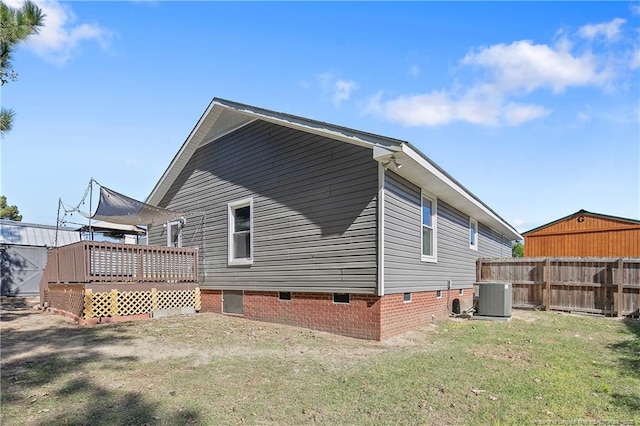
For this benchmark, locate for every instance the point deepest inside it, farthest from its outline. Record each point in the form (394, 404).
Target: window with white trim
(240, 238)
(428, 237)
(473, 234)
(174, 234)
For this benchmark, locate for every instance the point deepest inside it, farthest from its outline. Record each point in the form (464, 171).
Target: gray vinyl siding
(314, 210)
(404, 271)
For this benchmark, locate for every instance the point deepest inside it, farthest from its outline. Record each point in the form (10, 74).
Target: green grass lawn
(538, 368)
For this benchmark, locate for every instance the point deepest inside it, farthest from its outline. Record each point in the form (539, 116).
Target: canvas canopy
(113, 228)
(118, 208)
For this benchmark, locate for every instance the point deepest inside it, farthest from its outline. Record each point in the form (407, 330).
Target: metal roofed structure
(23, 254)
(30, 234)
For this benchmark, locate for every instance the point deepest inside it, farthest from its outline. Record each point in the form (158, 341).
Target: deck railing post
(140, 266)
(479, 270)
(86, 261)
(195, 265)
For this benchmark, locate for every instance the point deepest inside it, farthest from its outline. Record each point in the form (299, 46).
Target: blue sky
(534, 107)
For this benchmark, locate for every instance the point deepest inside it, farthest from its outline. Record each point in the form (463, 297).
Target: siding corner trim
(380, 229)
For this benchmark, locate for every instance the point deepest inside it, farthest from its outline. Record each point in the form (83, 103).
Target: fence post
(114, 302)
(618, 279)
(547, 281)
(479, 270)
(88, 303)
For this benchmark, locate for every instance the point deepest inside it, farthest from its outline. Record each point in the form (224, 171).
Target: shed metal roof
(30, 234)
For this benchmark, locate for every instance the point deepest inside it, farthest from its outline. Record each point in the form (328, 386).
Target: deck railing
(606, 286)
(92, 261)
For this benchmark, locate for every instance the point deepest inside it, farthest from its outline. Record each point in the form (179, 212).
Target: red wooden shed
(585, 234)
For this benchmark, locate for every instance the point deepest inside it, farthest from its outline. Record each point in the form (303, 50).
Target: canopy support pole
(90, 208)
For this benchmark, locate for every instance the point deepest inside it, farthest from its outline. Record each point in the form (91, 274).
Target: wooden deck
(92, 262)
(92, 279)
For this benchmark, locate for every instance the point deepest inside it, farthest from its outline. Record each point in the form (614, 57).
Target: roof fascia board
(416, 156)
(312, 126)
(155, 196)
(606, 216)
(231, 130)
(319, 132)
(553, 222)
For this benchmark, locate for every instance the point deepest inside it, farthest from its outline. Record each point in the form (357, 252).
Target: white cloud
(482, 105)
(430, 109)
(583, 117)
(634, 61)
(414, 70)
(609, 30)
(525, 66)
(340, 90)
(515, 114)
(62, 34)
(510, 73)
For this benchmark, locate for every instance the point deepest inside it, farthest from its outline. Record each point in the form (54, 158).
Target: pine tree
(16, 25)
(8, 212)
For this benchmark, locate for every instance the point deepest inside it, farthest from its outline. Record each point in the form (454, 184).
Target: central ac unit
(494, 299)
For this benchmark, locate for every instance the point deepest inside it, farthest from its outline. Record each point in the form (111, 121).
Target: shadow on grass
(108, 407)
(631, 402)
(65, 353)
(629, 358)
(8, 316)
(13, 308)
(630, 350)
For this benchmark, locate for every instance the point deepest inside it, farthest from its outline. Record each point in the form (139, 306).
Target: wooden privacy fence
(596, 285)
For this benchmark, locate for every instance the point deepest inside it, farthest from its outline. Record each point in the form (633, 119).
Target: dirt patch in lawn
(200, 338)
(191, 337)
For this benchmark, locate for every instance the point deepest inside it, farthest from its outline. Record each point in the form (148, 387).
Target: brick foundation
(398, 316)
(365, 317)
(211, 301)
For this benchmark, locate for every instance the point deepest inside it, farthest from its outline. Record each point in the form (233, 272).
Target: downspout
(380, 229)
